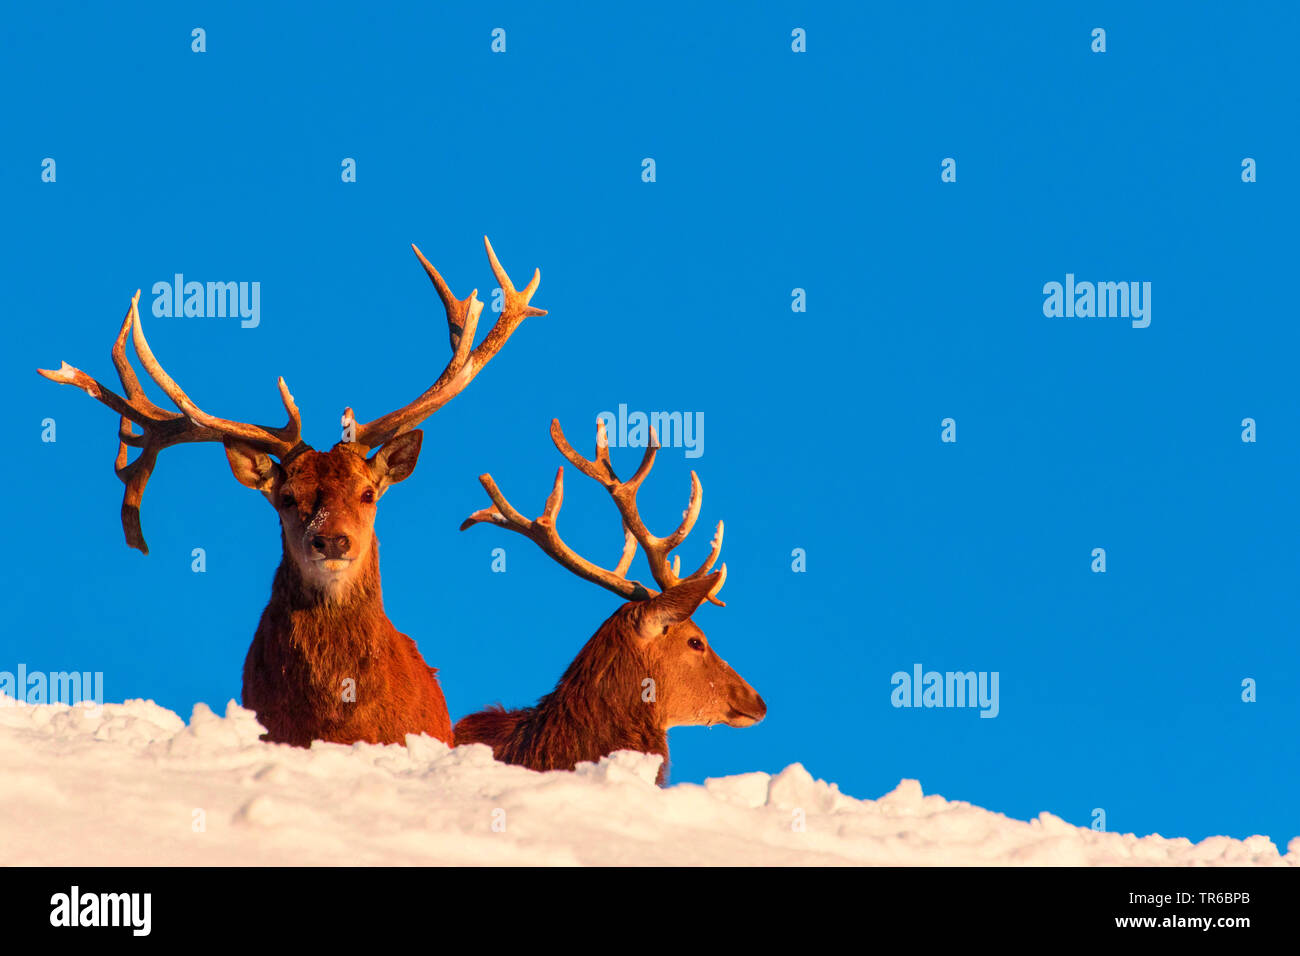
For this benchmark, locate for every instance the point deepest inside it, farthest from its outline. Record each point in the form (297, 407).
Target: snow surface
(122, 786)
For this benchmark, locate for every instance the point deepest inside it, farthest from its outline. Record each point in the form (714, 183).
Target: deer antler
(543, 532)
(160, 428)
(466, 361)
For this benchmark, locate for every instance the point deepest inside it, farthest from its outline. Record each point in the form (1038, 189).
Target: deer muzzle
(745, 708)
(331, 547)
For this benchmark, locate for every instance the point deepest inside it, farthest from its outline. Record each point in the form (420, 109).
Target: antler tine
(629, 552)
(647, 462)
(689, 516)
(668, 575)
(160, 428)
(462, 314)
(543, 533)
(602, 449)
(599, 470)
(466, 361)
(125, 373)
(508, 287)
(722, 579)
(657, 550)
(278, 441)
(715, 548)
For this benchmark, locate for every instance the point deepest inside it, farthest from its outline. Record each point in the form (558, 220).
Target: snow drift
(133, 784)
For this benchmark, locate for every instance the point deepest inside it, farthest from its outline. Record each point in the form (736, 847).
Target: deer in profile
(648, 668)
(325, 663)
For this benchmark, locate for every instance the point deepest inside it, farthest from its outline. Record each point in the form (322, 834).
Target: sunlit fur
(600, 704)
(325, 627)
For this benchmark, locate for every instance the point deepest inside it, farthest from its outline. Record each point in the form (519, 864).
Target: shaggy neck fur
(327, 664)
(333, 628)
(595, 710)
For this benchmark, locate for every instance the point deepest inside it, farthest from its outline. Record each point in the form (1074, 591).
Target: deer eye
(368, 496)
(695, 644)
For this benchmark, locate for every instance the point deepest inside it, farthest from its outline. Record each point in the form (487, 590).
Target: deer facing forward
(647, 669)
(325, 663)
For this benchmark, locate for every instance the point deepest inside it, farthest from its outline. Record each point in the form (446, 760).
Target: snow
(134, 784)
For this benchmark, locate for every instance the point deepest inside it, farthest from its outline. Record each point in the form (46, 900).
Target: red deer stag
(325, 663)
(647, 668)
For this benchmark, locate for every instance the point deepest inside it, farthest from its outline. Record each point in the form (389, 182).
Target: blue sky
(774, 171)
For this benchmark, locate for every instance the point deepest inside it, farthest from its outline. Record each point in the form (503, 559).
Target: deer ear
(252, 467)
(674, 605)
(396, 460)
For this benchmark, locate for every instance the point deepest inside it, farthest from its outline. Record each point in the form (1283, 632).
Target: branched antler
(543, 532)
(160, 428)
(466, 360)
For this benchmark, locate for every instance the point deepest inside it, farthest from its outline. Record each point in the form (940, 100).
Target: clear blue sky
(775, 170)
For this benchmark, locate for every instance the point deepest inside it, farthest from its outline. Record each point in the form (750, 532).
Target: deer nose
(331, 546)
(746, 709)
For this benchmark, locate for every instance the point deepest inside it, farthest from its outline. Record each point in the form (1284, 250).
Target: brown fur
(598, 706)
(324, 626)
(321, 629)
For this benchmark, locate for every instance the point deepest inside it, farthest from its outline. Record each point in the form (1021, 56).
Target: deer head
(693, 685)
(327, 503)
(325, 500)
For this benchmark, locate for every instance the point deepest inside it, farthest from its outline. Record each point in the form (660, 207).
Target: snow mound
(133, 784)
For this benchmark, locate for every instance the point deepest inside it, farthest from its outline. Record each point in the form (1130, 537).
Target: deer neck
(597, 707)
(351, 620)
